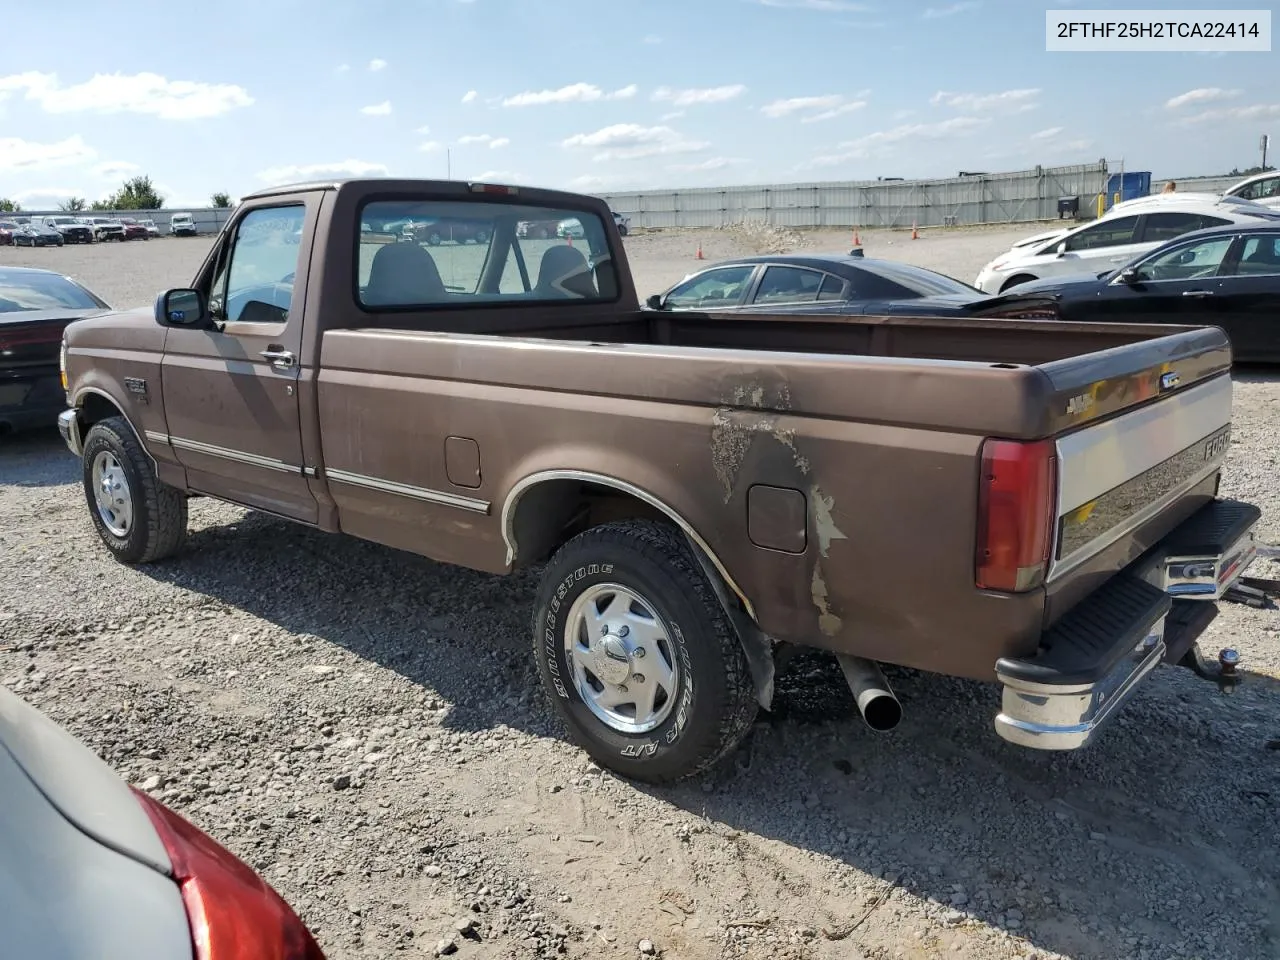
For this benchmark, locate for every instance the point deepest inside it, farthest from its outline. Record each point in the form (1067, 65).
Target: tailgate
(1141, 432)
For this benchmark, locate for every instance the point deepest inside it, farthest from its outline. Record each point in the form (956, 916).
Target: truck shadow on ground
(36, 458)
(1145, 844)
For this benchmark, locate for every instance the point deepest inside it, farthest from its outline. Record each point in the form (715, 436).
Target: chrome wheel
(622, 658)
(111, 494)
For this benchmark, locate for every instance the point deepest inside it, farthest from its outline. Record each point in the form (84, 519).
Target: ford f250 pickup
(1030, 503)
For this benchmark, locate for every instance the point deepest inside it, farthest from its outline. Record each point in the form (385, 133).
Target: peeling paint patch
(736, 423)
(828, 622)
(823, 522)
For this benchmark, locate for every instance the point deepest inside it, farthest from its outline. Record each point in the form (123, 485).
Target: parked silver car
(90, 867)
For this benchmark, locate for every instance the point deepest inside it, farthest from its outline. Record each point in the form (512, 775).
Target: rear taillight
(1016, 510)
(234, 914)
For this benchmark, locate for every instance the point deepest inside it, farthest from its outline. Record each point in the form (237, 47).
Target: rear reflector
(234, 914)
(1016, 510)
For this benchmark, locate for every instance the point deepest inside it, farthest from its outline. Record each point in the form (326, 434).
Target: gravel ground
(365, 728)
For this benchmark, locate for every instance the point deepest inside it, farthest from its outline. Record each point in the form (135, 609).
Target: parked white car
(152, 229)
(1261, 188)
(1126, 230)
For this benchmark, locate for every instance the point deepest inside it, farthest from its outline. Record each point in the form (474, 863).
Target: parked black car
(1227, 277)
(35, 307)
(37, 235)
(850, 284)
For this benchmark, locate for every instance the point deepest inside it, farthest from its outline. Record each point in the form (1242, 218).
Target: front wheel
(637, 656)
(139, 518)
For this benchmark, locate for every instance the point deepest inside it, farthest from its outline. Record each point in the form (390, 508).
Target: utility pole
(1266, 142)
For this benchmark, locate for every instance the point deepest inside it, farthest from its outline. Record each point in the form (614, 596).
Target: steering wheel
(278, 295)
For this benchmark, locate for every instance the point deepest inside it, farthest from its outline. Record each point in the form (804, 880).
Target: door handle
(1197, 293)
(278, 358)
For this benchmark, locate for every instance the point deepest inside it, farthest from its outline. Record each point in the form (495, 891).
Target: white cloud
(430, 146)
(1257, 111)
(711, 163)
(469, 96)
(499, 176)
(591, 181)
(1048, 134)
(45, 197)
(844, 108)
(115, 169)
(1201, 95)
(696, 95)
(572, 93)
(818, 108)
(17, 154)
(376, 64)
(475, 138)
(826, 6)
(423, 130)
(882, 142)
(630, 141)
(1006, 101)
(342, 68)
(377, 109)
(497, 143)
(950, 10)
(339, 168)
(652, 38)
(673, 115)
(145, 93)
(1078, 144)
(903, 114)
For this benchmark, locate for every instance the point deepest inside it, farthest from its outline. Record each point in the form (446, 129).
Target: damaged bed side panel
(873, 578)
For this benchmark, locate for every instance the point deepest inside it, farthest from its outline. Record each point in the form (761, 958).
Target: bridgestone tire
(715, 698)
(159, 511)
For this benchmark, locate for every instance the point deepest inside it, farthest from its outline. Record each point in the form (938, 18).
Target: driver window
(255, 284)
(715, 288)
(1112, 233)
(1193, 261)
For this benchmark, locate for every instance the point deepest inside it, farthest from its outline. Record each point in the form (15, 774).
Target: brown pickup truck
(1025, 502)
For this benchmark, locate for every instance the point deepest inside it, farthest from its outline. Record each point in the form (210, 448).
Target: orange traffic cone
(915, 234)
(856, 241)
(699, 256)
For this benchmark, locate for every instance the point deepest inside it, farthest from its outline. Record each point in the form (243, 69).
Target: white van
(182, 224)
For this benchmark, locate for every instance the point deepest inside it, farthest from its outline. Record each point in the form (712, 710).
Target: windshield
(419, 254)
(20, 290)
(918, 280)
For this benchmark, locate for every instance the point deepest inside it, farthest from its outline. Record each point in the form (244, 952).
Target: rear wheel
(637, 656)
(139, 518)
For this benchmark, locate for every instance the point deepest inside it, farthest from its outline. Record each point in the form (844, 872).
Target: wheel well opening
(551, 513)
(96, 407)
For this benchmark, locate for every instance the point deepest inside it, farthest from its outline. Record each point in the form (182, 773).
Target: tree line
(136, 193)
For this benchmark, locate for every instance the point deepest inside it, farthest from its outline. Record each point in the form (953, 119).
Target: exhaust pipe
(876, 702)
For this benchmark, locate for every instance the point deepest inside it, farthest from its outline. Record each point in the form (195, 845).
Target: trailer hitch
(1224, 672)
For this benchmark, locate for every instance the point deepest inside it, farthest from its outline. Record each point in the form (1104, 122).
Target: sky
(595, 97)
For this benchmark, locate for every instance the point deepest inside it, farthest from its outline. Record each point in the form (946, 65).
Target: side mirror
(1128, 275)
(654, 302)
(183, 308)
(1061, 249)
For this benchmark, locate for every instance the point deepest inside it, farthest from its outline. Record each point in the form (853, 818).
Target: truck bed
(876, 425)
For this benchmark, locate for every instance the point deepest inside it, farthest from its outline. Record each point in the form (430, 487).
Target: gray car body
(82, 871)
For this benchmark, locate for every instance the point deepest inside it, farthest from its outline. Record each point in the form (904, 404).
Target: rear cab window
(423, 255)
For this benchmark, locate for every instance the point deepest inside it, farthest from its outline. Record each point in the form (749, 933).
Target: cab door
(231, 394)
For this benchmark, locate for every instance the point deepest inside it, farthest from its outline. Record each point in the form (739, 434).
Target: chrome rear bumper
(1091, 662)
